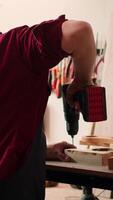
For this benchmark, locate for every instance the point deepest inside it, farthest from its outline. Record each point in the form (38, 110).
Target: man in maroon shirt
(26, 55)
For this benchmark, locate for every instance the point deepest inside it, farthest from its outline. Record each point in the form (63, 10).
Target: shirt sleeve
(40, 45)
(49, 34)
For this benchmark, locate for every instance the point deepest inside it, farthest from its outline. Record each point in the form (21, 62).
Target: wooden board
(97, 141)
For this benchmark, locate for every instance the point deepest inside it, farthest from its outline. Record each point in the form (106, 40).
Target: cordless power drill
(92, 104)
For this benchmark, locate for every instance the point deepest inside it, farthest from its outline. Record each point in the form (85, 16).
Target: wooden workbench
(84, 175)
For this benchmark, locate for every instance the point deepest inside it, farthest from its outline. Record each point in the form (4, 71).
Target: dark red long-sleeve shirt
(26, 54)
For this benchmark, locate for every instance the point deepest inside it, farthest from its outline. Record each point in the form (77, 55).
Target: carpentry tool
(71, 115)
(92, 103)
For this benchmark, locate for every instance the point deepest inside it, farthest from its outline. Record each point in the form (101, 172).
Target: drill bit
(72, 139)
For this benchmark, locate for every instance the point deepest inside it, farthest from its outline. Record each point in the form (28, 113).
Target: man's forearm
(78, 39)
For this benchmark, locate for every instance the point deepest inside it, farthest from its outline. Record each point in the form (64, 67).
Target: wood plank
(97, 141)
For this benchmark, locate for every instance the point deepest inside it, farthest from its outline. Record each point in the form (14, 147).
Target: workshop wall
(15, 13)
(105, 128)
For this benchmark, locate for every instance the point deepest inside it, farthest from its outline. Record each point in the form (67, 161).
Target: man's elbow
(75, 34)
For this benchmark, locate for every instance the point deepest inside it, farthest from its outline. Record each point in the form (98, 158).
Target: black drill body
(70, 114)
(92, 103)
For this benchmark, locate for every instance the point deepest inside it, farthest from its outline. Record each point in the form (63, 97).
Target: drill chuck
(72, 126)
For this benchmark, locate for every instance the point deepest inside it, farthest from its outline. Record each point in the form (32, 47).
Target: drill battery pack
(92, 103)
